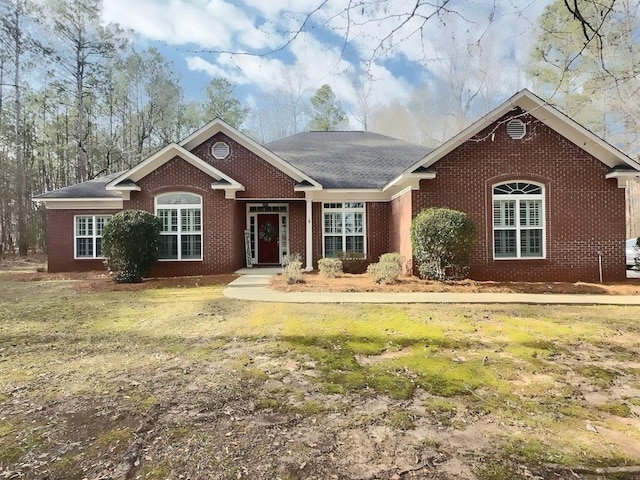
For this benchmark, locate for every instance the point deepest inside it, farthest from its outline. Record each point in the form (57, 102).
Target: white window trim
(179, 233)
(344, 210)
(93, 237)
(283, 246)
(517, 227)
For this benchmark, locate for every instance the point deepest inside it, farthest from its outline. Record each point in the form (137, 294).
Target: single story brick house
(546, 195)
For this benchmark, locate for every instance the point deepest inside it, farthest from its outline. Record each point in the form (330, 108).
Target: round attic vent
(220, 150)
(516, 129)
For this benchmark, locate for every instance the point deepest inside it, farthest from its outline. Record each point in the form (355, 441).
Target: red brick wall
(60, 230)
(399, 229)
(377, 229)
(260, 178)
(584, 211)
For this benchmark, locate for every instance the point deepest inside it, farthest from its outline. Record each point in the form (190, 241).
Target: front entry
(268, 238)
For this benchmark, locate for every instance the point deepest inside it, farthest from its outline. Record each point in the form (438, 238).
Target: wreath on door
(266, 232)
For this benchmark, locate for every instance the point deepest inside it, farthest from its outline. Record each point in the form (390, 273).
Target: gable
(127, 182)
(619, 165)
(260, 178)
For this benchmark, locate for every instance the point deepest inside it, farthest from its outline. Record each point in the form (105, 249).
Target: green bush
(130, 245)
(442, 241)
(330, 267)
(292, 268)
(387, 270)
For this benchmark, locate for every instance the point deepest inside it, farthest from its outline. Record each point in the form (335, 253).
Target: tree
(220, 102)
(327, 111)
(442, 241)
(131, 244)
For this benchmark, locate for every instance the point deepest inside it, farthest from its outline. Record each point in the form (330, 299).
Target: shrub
(330, 267)
(353, 262)
(442, 241)
(394, 258)
(130, 244)
(292, 268)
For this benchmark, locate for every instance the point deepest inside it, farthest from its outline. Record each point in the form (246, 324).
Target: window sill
(179, 260)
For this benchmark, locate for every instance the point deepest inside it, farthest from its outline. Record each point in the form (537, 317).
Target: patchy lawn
(158, 383)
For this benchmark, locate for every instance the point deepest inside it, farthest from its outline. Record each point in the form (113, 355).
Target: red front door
(269, 238)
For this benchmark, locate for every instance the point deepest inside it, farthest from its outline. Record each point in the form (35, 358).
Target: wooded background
(79, 100)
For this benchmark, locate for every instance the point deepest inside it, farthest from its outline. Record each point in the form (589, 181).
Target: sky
(265, 46)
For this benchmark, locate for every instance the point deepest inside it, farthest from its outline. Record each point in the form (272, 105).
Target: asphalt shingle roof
(348, 159)
(91, 189)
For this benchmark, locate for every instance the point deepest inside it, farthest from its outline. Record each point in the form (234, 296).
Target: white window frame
(96, 233)
(180, 232)
(344, 208)
(518, 198)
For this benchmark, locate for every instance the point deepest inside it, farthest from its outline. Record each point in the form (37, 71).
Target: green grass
(146, 350)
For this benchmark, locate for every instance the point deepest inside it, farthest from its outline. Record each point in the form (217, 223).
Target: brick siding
(584, 211)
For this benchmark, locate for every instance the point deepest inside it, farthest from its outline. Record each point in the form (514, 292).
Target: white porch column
(309, 243)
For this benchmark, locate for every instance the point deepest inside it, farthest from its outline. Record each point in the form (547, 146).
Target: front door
(268, 238)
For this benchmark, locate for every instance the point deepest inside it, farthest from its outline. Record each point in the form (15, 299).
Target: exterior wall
(585, 212)
(399, 228)
(223, 220)
(377, 229)
(60, 242)
(260, 178)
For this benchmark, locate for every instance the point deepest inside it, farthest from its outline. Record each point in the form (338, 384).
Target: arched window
(518, 220)
(181, 215)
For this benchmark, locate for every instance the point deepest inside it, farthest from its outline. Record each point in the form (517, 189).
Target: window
(344, 229)
(518, 220)
(88, 235)
(181, 236)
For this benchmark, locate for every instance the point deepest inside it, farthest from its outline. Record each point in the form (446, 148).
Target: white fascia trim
(402, 192)
(219, 126)
(307, 188)
(80, 203)
(125, 188)
(229, 190)
(622, 177)
(344, 195)
(163, 156)
(544, 112)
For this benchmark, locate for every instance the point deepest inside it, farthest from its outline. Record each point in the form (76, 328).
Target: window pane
(531, 243)
(504, 213)
(100, 223)
(84, 226)
(169, 246)
(98, 247)
(332, 223)
(84, 247)
(355, 244)
(332, 246)
(504, 243)
(191, 221)
(531, 213)
(191, 246)
(179, 199)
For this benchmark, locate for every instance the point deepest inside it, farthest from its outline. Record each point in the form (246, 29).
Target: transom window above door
(518, 220)
(181, 235)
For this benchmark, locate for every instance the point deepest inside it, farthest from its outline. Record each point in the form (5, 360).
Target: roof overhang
(542, 111)
(219, 126)
(127, 181)
(623, 176)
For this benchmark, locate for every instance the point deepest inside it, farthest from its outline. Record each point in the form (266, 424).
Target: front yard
(184, 383)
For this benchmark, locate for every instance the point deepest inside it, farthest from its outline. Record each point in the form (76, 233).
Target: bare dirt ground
(111, 386)
(314, 282)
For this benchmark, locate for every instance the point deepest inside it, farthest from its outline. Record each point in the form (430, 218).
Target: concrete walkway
(252, 285)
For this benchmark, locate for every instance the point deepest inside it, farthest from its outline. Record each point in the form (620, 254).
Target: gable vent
(220, 150)
(516, 129)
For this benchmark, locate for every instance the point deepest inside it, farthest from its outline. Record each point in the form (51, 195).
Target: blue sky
(192, 33)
